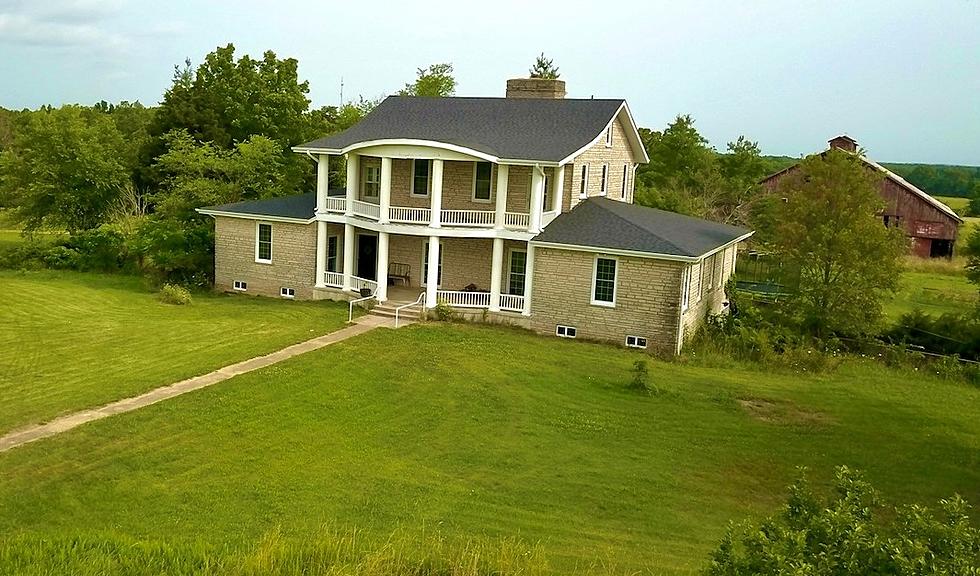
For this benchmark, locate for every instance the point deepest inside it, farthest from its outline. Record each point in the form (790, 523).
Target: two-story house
(518, 208)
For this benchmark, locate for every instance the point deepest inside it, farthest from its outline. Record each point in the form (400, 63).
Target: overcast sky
(901, 78)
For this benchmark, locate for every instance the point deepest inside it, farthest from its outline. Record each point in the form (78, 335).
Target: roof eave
(249, 216)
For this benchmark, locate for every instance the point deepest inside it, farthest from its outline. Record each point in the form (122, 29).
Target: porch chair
(399, 271)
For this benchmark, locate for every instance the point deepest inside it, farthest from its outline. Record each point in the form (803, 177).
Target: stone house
(523, 203)
(930, 225)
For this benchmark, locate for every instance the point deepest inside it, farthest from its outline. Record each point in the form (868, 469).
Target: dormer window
(609, 136)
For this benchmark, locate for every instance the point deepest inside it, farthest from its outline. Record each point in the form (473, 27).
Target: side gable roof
(290, 208)
(522, 129)
(908, 186)
(609, 224)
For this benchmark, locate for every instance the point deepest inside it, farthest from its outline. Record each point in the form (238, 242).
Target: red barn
(930, 225)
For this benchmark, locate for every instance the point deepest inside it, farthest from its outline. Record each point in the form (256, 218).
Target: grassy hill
(467, 440)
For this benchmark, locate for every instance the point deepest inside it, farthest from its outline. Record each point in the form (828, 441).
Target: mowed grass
(956, 203)
(70, 341)
(933, 293)
(478, 432)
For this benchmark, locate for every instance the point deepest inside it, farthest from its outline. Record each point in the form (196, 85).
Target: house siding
(647, 298)
(707, 298)
(293, 257)
(616, 156)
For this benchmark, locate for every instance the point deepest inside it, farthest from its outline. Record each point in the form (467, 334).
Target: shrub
(174, 294)
(26, 256)
(641, 377)
(949, 334)
(102, 249)
(443, 311)
(843, 536)
(61, 258)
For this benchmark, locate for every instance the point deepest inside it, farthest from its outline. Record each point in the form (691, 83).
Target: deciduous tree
(829, 229)
(436, 80)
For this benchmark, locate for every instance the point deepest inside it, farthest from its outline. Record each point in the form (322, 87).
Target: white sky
(903, 78)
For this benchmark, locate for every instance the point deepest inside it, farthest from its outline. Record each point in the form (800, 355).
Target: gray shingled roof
(300, 206)
(507, 128)
(605, 223)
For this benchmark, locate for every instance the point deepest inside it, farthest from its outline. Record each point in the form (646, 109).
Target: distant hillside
(936, 179)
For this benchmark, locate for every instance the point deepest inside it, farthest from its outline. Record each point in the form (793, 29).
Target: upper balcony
(452, 193)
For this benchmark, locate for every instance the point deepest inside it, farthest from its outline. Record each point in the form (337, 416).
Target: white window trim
(424, 281)
(258, 226)
(636, 342)
(584, 182)
(625, 179)
(473, 192)
(609, 135)
(604, 183)
(428, 183)
(595, 269)
(240, 285)
(510, 267)
(559, 328)
(364, 181)
(286, 292)
(686, 289)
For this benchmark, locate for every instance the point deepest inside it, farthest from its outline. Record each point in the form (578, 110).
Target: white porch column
(321, 253)
(496, 273)
(353, 174)
(432, 274)
(537, 193)
(322, 181)
(557, 195)
(385, 201)
(528, 279)
(500, 208)
(348, 255)
(436, 195)
(382, 269)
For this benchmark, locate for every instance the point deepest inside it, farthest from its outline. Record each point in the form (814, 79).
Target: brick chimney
(535, 88)
(844, 142)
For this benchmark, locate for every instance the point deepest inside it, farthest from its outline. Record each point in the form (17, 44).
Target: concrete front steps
(387, 310)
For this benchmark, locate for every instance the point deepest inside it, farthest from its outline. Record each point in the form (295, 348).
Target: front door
(367, 256)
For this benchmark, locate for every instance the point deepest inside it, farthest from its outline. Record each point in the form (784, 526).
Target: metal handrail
(416, 303)
(350, 315)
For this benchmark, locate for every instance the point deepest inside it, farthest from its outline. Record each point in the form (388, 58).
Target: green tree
(829, 229)
(437, 80)
(973, 208)
(66, 169)
(972, 252)
(842, 535)
(544, 68)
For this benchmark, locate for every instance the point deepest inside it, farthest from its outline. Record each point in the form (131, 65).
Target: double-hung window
(686, 288)
(609, 134)
(515, 278)
(604, 282)
(481, 181)
(421, 170)
(584, 187)
(332, 253)
(263, 243)
(372, 181)
(605, 180)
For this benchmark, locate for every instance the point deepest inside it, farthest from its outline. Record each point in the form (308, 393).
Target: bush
(843, 536)
(102, 249)
(443, 311)
(26, 256)
(174, 294)
(949, 334)
(641, 377)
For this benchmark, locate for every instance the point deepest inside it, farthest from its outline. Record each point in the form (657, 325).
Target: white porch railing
(333, 279)
(409, 215)
(357, 283)
(467, 217)
(335, 204)
(547, 217)
(367, 209)
(459, 299)
(517, 220)
(512, 302)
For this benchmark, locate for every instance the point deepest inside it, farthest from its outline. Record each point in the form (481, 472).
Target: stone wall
(616, 157)
(293, 257)
(707, 297)
(647, 298)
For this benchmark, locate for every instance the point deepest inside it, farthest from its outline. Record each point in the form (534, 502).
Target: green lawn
(484, 433)
(71, 341)
(932, 293)
(957, 204)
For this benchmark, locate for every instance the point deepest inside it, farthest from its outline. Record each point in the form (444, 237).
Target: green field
(932, 293)
(472, 432)
(71, 341)
(957, 204)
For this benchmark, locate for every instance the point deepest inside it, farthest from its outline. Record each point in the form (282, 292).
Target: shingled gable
(512, 129)
(601, 223)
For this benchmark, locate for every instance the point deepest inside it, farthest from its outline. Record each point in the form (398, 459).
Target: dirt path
(69, 421)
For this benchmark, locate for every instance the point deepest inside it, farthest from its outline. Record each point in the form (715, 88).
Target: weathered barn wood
(930, 225)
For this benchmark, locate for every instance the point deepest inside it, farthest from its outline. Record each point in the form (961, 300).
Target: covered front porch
(476, 273)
